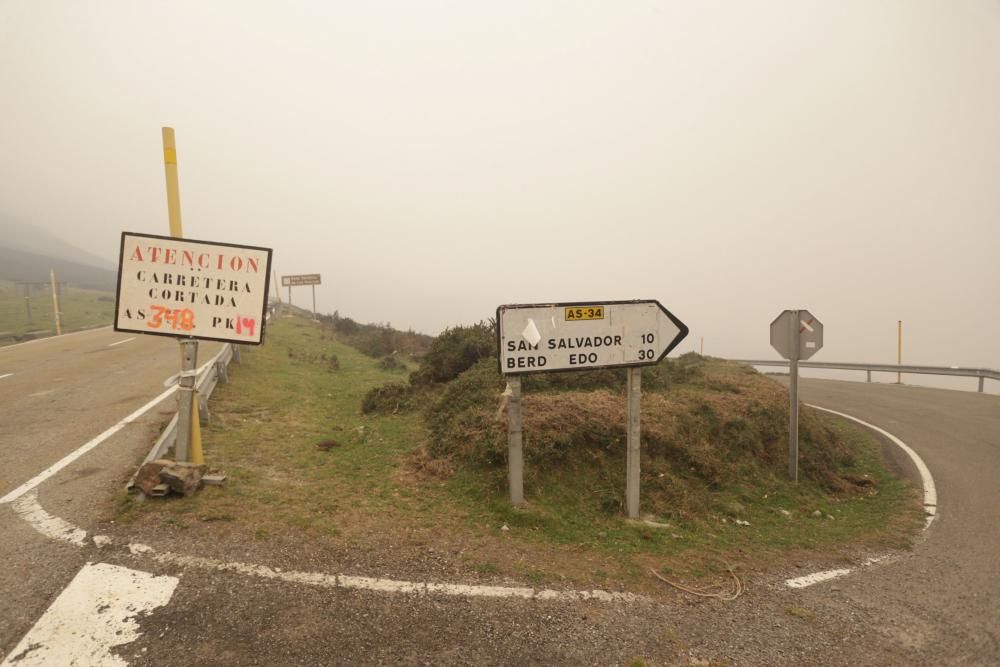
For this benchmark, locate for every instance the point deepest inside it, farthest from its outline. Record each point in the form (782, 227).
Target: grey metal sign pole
(189, 364)
(796, 335)
(515, 455)
(633, 390)
(314, 301)
(793, 394)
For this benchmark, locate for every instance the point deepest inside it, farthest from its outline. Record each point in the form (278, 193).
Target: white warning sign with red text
(196, 289)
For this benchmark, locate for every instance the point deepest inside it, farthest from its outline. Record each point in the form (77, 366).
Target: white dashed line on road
(121, 342)
(5, 375)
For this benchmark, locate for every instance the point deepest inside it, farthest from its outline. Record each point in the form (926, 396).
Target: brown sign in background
(304, 279)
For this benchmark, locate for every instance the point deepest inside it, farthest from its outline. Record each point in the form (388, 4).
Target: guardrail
(210, 374)
(982, 374)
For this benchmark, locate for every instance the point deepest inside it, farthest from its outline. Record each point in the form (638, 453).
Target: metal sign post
(515, 453)
(793, 394)
(300, 280)
(633, 390)
(543, 338)
(187, 408)
(796, 335)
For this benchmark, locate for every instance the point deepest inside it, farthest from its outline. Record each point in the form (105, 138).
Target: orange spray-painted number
(177, 318)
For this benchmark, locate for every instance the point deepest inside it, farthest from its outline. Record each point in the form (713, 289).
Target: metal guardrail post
(204, 384)
(189, 354)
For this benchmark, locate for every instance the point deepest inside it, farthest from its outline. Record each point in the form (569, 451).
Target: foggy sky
(433, 160)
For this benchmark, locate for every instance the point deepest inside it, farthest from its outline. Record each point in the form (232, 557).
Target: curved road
(942, 604)
(939, 604)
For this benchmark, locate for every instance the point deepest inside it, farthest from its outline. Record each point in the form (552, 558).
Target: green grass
(80, 309)
(285, 400)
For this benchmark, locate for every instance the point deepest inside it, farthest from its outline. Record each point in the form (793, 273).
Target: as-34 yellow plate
(577, 313)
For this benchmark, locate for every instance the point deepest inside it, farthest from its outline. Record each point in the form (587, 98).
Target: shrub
(454, 351)
(389, 399)
(391, 363)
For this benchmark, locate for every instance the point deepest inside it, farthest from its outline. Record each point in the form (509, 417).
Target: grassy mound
(427, 469)
(707, 426)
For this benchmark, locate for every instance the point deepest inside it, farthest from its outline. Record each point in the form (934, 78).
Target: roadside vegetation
(81, 309)
(364, 452)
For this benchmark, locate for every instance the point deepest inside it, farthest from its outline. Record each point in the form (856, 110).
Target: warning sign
(194, 289)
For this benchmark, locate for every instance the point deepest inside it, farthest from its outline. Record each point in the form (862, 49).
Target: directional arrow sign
(541, 338)
(800, 326)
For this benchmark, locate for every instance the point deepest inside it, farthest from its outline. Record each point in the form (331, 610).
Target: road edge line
(926, 479)
(44, 338)
(74, 455)
(930, 502)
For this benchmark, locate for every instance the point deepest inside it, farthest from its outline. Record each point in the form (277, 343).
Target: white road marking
(73, 456)
(121, 341)
(41, 393)
(93, 614)
(5, 375)
(815, 578)
(926, 480)
(377, 584)
(930, 503)
(59, 529)
(42, 340)
(27, 508)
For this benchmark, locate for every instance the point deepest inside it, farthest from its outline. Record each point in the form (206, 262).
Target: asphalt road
(938, 604)
(56, 394)
(942, 604)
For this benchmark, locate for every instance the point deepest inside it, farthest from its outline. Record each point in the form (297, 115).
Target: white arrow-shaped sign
(541, 338)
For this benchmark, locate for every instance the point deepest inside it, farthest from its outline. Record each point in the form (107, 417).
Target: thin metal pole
(55, 301)
(633, 389)
(185, 402)
(314, 301)
(793, 397)
(981, 378)
(702, 352)
(515, 455)
(289, 295)
(869, 376)
(899, 350)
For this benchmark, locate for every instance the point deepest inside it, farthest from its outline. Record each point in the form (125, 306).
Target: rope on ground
(738, 587)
